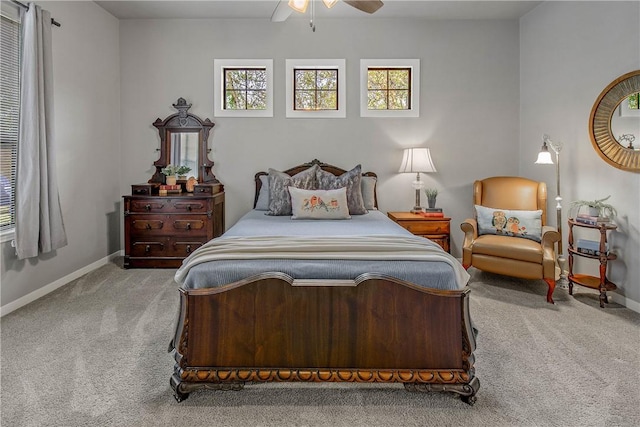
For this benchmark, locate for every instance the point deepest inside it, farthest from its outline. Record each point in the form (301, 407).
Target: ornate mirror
(614, 125)
(183, 142)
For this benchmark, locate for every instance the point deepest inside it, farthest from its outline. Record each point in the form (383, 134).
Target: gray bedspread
(432, 274)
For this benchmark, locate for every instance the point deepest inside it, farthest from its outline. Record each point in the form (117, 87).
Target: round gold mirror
(614, 124)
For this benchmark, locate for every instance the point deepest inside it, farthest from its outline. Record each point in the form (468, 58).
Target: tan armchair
(507, 255)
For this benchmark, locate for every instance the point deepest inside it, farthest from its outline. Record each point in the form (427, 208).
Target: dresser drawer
(168, 225)
(181, 205)
(426, 227)
(165, 247)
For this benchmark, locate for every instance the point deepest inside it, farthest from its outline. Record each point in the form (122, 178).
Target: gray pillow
(279, 198)
(350, 180)
(263, 196)
(369, 192)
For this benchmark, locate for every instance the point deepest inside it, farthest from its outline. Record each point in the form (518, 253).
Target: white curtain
(39, 225)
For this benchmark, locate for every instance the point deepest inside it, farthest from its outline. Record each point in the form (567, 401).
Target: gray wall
(570, 51)
(87, 124)
(468, 112)
(490, 89)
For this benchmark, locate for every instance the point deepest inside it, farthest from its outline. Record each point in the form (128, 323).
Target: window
(243, 87)
(389, 87)
(315, 88)
(9, 119)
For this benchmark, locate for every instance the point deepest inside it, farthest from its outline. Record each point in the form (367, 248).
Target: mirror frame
(602, 138)
(184, 122)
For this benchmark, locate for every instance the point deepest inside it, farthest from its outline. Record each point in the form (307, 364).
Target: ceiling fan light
(330, 3)
(299, 5)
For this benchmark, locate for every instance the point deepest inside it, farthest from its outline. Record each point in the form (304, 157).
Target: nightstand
(437, 229)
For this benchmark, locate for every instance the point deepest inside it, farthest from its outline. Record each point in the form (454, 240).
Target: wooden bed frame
(274, 328)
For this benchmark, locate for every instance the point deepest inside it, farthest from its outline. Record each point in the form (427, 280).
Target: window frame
(414, 86)
(11, 13)
(219, 88)
(316, 64)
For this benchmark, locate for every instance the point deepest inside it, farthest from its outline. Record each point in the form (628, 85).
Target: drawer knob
(148, 226)
(147, 207)
(188, 249)
(188, 226)
(147, 249)
(189, 208)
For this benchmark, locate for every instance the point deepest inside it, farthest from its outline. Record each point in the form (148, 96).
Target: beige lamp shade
(417, 160)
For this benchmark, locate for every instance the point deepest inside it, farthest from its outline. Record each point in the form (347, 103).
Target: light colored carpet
(94, 353)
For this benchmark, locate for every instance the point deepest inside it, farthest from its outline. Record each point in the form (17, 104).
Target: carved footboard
(272, 328)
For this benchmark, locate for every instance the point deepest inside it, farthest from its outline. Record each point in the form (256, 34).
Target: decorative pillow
(279, 198)
(369, 192)
(263, 196)
(351, 180)
(526, 224)
(319, 204)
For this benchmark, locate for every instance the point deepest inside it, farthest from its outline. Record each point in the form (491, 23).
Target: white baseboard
(39, 293)
(622, 300)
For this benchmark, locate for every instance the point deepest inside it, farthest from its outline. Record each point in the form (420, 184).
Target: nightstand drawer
(426, 227)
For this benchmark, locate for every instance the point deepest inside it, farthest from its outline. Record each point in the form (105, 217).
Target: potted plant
(603, 211)
(169, 172)
(182, 172)
(431, 194)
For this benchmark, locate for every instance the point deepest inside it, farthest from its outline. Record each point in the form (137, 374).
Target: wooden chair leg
(466, 267)
(552, 285)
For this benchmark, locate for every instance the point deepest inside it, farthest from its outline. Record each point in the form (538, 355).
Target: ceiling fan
(284, 8)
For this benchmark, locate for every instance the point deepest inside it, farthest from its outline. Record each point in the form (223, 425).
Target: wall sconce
(417, 160)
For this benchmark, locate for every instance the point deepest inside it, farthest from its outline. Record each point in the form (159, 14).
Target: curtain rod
(53, 21)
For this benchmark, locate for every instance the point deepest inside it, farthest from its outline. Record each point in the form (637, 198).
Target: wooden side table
(437, 229)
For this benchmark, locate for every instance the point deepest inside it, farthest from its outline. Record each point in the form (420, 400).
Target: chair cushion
(508, 247)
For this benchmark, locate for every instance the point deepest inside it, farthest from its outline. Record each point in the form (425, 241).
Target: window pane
(399, 79)
(256, 100)
(305, 79)
(398, 100)
(377, 100)
(305, 100)
(327, 79)
(257, 79)
(377, 79)
(235, 79)
(235, 100)
(327, 100)
(634, 102)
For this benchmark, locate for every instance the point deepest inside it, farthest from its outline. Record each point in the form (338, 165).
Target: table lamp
(417, 160)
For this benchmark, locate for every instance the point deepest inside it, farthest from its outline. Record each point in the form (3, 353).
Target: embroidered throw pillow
(279, 198)
(319, 204)
(526, 224)
(351, 180)
(369, 192)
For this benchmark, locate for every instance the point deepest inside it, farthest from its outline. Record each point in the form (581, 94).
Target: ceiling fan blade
(368, 6)
(281, 12)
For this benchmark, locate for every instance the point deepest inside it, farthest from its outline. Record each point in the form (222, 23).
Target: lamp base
(417, 209)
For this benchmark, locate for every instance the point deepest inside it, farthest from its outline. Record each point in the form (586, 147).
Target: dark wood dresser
(161, 231)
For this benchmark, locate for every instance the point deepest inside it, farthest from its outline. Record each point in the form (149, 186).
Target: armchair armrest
(549, 236)
(470, 228)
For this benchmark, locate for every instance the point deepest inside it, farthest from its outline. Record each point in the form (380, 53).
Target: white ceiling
(263, 9)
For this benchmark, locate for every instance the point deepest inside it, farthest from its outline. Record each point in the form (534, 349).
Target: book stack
(590, 247)
(167, 189)
(590, 219)
(432, 213)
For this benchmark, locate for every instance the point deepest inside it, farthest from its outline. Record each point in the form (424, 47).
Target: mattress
(444, 273)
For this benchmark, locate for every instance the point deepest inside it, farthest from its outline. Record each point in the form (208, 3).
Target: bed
(359, 300)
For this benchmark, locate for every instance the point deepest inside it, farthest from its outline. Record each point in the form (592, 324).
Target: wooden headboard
(297, 169)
